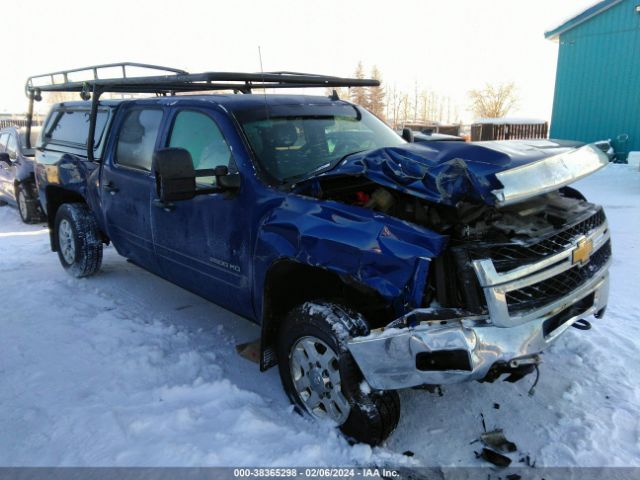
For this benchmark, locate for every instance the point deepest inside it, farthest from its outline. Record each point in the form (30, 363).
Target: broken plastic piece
(250, 350)
(496, 458)
(496, 439)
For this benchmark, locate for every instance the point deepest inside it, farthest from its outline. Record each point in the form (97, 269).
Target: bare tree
(392, 106)
(493, 100)
(405, 109)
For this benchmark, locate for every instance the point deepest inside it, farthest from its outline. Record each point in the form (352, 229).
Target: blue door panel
(203, 245)
(126, 194)
(127, 213)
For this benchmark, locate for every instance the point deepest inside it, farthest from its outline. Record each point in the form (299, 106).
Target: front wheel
(78, 240)
(322, 379)
(27, 207)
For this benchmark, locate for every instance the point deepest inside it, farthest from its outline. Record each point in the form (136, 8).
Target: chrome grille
(544, 292)
(508, 257)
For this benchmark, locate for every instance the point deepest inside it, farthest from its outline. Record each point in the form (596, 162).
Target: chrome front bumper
(389, 358)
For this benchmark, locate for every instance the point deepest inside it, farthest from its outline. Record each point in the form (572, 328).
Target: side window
(137, 138)
(72, 126)
(12, 147)
(200, 136)
(4, 138)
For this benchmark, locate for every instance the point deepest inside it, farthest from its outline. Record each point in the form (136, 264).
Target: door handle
(166, 206)
(111, 188)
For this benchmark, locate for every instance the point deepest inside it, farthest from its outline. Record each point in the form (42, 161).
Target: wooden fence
(491, 131)
(17, 122)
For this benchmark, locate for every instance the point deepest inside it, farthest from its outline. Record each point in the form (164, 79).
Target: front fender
(384, 253)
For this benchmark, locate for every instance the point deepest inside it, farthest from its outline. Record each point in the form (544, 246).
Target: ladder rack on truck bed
(171, 81)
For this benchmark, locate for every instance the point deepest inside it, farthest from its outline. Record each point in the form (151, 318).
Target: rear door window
(137, 138)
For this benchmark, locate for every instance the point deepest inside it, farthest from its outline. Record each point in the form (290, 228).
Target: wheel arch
(56, 197)
(289, 283)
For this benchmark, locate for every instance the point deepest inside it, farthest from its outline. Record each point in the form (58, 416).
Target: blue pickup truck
(371, 264)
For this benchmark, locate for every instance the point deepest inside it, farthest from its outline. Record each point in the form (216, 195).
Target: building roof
(579, 19)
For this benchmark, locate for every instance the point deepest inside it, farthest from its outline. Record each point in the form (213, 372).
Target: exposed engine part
(523, 222)
(511, 236)
(381, 200)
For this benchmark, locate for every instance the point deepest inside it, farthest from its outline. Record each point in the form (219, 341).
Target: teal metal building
(597, 91)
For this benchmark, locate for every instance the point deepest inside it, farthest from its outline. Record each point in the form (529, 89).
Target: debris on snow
(496, 458)
(250, 350)
(496, 440)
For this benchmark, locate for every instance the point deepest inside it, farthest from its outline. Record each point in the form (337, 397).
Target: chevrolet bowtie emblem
(582, 252)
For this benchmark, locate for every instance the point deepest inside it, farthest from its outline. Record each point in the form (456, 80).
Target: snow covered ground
(126, 369)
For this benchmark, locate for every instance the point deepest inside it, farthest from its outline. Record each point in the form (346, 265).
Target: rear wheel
(78, 240)
(322, 379)
(28, 207)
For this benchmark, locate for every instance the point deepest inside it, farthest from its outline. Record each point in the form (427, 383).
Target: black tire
(2, 203)
(27, 206)
(373, 414)
(84, 257)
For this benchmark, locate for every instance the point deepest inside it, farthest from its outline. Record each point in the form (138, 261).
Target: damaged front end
(526, 256)
(440, 346)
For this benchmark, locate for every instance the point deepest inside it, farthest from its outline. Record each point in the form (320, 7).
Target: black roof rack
(171, 81)
(175, 80)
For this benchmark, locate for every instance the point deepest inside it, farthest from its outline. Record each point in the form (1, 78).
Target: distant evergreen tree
(358, 95)
(376, 95)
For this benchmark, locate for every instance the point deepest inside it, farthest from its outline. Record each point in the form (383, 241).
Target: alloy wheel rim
(316, 378)
(65, 241)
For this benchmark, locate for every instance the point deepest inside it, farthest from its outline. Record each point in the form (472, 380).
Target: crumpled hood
(450, 172)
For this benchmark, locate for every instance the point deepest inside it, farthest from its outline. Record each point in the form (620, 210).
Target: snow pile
(634, 160)
(126, 369)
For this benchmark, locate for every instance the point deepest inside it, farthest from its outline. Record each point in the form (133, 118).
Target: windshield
(296, 146)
